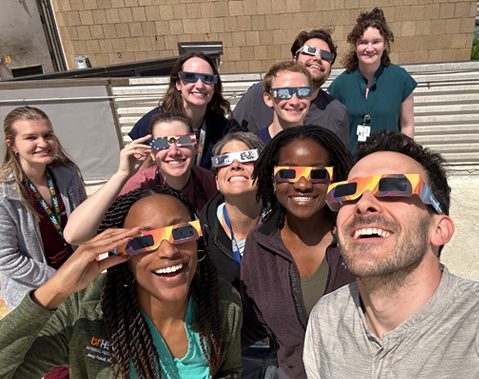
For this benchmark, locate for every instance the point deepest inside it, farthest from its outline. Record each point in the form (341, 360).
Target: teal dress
(392, 86)
(192, 365)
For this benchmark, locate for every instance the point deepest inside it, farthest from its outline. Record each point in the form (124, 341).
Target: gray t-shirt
(439, 341)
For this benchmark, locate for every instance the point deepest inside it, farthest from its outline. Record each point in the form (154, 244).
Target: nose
(173, 149)
(294, 99)
(303, 185)
(42, 142)
(236, 165)
(167, 250)
(368, 203)
(199, 83)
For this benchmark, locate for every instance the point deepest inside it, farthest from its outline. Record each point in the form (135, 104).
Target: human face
(289, 112)
(319, 68)
(235, 179)
(162, 287)
(302, 199)
(382, 236)
(199, 93)
(370, 47)
(176, 161)
(34, 142)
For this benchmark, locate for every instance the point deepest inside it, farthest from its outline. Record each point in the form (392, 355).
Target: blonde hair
(11, 163)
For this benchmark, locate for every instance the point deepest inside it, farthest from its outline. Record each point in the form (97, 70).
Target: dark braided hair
(338, 155)
(127, 331)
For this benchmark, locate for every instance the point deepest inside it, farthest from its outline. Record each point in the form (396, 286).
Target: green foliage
(475, 49)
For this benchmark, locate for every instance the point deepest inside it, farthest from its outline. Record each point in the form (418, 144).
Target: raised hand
(83, 267)
(133, 156)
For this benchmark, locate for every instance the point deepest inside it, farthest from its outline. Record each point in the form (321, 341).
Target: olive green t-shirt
(313, 286)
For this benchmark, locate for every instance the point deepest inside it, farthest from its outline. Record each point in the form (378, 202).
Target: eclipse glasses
(245, 156)
(311, 50)
(152, 239)
(179, 140)
(288, 92)
(193, 77)
(402, 185)
(285, 174)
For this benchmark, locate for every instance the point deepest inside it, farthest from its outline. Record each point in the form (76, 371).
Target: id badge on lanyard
(363, 131)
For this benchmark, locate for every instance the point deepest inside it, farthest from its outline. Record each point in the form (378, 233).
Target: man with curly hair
(406, 316)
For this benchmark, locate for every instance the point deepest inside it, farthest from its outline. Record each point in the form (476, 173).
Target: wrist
(48, 297)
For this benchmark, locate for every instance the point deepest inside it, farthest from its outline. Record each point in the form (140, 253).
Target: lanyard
(201, 143)
(54, 215)
(234, 245)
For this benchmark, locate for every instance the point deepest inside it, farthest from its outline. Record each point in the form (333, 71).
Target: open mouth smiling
(366, 233)
(170, 271)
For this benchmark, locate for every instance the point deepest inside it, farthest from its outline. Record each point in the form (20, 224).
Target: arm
(85, 219)
(17, 237)
(406, 116)
(35, 329)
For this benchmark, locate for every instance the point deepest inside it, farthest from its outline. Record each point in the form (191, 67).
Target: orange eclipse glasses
(389, 185)
(152, 239)
(286, 174)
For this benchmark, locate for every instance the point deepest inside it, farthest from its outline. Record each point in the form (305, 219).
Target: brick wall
(255, 33)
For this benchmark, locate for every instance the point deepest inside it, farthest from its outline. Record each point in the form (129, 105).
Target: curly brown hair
(374, 19)
(129, 336)
(172, 102)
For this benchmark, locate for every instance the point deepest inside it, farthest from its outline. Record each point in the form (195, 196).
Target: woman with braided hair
(292, 259)
(159, 311)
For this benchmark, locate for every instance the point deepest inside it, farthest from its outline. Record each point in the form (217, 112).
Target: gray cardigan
(23, 265)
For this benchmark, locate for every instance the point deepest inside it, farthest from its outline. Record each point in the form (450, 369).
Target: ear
(178, 85)
(216, 180)
(443, 229)
(294, 59)
(268, 99)
(10, 144)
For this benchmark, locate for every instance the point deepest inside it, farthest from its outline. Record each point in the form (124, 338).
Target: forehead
(319, 43)
(170, 128)
(371, 33)
(385, 162)
(197, 65)
(234, 146)
(303, 153)
(156, 211)
(290, 79)
(31, 126)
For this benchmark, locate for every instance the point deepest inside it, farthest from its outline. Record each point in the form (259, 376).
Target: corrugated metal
(446, 106)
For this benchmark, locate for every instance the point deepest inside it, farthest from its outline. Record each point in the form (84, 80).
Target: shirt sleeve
(140, 129)
(311, 363)
(27, 351)
(242, 111)
(409, 85)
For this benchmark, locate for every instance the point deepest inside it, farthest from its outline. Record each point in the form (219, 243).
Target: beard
(319, 78)
(392, 270)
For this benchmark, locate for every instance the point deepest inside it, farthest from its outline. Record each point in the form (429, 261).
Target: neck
(390, 300)
(368, 71)
(279, 125)
(310, 230)
(195, 113)
(163, 313)
(244, 213)
(36, 173)
(315, 92)
(176, 182)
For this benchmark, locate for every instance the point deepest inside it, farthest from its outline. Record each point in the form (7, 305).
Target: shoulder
(396, 71)
(255, 91)
(8, 190)
(229, 301)
(335, 303)
(325, 101)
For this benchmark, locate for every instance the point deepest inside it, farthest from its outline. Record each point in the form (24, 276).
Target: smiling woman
(291, 260)
(160, 310)
(377, 93)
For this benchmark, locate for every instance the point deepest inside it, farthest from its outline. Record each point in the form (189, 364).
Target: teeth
(175, 162)
(169, 269)
(302, 198)
(237, 179)
(371, 231)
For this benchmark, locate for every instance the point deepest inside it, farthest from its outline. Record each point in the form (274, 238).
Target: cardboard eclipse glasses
(402, 185)
(244, 156)
(285, 174)
(179, 140)
(311, 50)
(152, 239)
(288, 92)
(193, 77)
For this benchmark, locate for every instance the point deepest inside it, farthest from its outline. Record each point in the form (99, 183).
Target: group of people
(223, 232)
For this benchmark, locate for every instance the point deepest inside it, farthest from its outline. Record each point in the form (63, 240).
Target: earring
(201, 255)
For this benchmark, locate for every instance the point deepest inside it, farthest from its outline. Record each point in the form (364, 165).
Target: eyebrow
(176, 221)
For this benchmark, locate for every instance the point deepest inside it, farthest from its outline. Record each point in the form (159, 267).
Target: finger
(143, 139)
(111, 261)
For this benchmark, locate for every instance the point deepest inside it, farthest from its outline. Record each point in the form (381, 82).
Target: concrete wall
(22, 37)
(255, 33)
